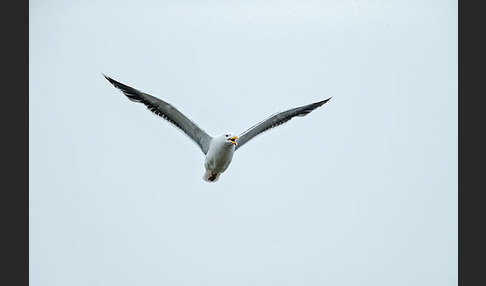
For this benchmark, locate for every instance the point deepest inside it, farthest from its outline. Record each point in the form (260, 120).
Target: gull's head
(230, 138)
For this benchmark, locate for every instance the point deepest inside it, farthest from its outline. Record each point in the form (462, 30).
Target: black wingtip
(112, 81)
(326, 100)
(118, 84)
(322, 102)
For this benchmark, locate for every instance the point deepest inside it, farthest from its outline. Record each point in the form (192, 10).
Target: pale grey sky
(362, 191)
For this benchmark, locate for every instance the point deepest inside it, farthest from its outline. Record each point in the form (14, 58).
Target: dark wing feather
(166, 111)
(276, 120)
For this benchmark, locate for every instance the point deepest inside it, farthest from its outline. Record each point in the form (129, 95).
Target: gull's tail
(211, 177)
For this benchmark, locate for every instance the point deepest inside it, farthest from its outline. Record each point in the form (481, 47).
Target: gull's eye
(227, 135)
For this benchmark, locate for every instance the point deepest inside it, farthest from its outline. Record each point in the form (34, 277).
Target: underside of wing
(167, 112)
(276, 120)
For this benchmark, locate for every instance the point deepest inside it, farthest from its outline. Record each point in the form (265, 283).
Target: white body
(219, 157)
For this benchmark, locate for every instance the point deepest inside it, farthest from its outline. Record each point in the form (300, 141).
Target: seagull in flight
(218, 150)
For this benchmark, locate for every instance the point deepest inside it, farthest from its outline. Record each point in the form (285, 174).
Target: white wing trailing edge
(167, 112)
(276, 120)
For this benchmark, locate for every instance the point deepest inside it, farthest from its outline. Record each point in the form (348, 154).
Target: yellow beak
(233, 140)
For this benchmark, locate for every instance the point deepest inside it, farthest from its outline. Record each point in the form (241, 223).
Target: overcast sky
(362, 191)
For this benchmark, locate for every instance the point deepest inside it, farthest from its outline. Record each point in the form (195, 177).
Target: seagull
(218, 150)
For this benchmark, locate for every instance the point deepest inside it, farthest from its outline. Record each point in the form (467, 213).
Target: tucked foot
(213, 177)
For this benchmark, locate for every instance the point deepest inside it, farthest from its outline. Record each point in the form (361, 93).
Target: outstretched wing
(276, 120)
(166, 111)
